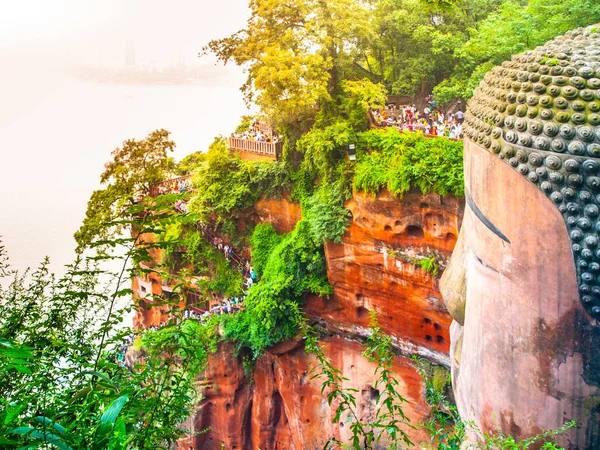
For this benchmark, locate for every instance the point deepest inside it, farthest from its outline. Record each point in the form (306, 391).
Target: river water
(56, 132)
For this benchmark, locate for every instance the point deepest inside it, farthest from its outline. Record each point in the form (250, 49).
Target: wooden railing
(169, 185)
(261, 148)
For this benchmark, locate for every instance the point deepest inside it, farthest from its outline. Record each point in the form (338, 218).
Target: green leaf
(50, 423)
(113, 410)
(12, 413)
(46, 437)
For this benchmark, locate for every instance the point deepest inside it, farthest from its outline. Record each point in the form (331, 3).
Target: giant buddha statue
(523, 285)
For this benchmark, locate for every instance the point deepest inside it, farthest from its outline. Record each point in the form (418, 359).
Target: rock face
(281, 407)
(281, 213)
(375, 268)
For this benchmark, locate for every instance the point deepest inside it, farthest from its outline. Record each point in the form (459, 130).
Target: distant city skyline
(96, 32)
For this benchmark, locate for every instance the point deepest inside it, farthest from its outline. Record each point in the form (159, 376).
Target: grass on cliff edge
(402, 161)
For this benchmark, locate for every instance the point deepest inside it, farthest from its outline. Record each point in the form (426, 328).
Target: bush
(293, 267)
(264, 239)
(227, 186)
(190, 163)
(403, 161)
(326, 213)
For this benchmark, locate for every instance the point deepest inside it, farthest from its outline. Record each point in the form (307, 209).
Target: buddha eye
(484, 264)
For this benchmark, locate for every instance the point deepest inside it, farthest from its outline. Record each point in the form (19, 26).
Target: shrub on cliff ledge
(226, 186)
(403, 161)
(291, 266)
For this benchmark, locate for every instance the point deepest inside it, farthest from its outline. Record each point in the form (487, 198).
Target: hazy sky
(56, 131)
(94, 30)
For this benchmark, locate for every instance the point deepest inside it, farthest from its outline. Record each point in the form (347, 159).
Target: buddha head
(523, 284)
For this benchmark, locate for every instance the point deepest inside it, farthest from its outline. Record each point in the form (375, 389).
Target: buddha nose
(453, 286)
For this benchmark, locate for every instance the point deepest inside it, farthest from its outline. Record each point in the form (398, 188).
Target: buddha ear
(453, 285)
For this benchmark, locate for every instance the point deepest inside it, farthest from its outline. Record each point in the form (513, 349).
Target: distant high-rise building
(130, 54)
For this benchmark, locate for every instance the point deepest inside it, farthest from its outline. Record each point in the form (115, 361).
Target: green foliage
(134, 169)
(264, 239)
(362, 96)
(513, 28)
(445, 427)
(430, 265)
(403, 161)
(501, 441)
(326, 213)
(245, 124)
(389, 424)
(190, 163)
(295, 266)
(324, 150)
(62, 382)
(295, 52)
(312, 60)
(227, 186)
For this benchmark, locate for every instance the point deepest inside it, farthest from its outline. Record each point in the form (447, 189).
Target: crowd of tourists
(256, 132)
(431, 121)
(229, 305)
(176, 186)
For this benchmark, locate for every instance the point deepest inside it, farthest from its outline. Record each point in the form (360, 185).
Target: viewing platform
(252, 149)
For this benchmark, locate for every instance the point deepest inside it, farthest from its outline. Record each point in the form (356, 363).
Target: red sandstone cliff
(372, 269)
(281, 407)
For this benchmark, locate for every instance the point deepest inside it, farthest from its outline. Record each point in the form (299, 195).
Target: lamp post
(351, 152)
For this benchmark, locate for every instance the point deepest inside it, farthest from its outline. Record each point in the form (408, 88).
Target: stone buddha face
(523, 285)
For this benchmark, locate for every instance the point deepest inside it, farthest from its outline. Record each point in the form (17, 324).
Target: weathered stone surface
(369, 271)
(522, 360)
(525, 341)
(282, 408)
(280, 212)
(373, 269)
(148, 314)
(539, 113)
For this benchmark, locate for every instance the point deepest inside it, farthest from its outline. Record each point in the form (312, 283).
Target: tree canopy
(299, 53)
(134, 169)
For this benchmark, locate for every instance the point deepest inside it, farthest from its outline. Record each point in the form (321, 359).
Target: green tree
(296, 52)
(134, 169)
(515, 27)
(414, 43)
(362, 96)
(190, 163)
(63, 380)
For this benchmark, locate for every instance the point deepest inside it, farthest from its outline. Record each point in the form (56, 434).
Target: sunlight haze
(57, 130)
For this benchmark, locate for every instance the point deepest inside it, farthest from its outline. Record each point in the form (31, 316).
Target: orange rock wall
(372, 269)
(281, 407)
(369, 271)
(279, 212)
